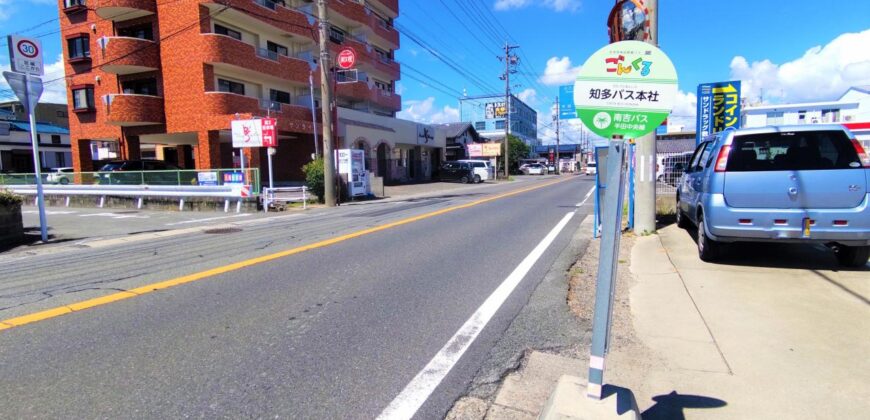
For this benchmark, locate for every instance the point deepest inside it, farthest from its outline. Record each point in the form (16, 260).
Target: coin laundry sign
(627, 88)
(25, 55)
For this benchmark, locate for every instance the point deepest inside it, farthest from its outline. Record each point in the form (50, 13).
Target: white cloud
(55, 83)
(529, 96)
(425, 111)
(822, 73)
(685, 110)
(6, 10)
(559, 72)
(557, 5)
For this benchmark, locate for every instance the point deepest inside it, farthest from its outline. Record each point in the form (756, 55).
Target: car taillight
(722, 160)
(862, 155)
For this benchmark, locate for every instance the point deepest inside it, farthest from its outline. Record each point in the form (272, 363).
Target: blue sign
(567, 110)
(718, 108)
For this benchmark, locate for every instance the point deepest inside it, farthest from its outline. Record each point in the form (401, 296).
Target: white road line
(585, 199)
(208, 219)
(406, 404)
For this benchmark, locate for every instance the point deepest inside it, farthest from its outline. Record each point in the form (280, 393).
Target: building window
(802, 117)
(223, 30)
(336, 35)
(830, 115)
(383, 55)
(139, 31)
(230, 86)
(140, 87)
(79, 48)
(73, 4)
(499, 125)
(480, 126)
(55, 139)
(384, 86)
(83, 98)
(279, 96)
(279, 49)
(775, 118)
(60, 158)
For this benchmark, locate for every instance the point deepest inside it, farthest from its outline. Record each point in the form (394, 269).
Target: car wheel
(477, 179)
(708, 249)
(463, 180)
(682, 220)
(64, 181)
(853, 256)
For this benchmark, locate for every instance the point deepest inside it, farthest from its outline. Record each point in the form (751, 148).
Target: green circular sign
(627, 88)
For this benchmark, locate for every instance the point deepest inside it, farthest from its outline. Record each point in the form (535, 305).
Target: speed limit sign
(25, 55)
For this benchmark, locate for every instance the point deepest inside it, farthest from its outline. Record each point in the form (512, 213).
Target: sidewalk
(770, 333)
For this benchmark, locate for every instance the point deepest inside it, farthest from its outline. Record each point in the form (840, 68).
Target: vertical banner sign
(270, 135)
(567, 110)
(718, 108)
(625, 89)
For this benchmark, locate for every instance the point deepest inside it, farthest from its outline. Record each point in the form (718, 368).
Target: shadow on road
(671, 406)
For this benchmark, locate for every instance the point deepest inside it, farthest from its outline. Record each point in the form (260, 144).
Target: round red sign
(27, 48)
(346, 58)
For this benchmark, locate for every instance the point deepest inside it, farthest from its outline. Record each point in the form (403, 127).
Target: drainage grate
(219, 231)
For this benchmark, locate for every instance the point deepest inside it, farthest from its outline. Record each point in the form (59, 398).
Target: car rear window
(112, 166)
(792, 151)
(591, 165)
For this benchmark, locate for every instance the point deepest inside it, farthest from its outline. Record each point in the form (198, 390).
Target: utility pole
(326, 108)
(510, 61)
(556, 117)
(645, 155)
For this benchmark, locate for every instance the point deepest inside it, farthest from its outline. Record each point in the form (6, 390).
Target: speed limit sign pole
(25, 59)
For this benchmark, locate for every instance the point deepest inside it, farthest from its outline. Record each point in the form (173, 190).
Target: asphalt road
(332, 332)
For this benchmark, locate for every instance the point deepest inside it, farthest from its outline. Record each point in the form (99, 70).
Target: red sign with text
(270, 134)
(346, 58)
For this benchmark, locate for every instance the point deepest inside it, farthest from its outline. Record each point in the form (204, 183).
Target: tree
(314, 178)
(519, 150)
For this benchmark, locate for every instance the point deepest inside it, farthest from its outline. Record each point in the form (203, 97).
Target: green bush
(314, 178)
(8, 199)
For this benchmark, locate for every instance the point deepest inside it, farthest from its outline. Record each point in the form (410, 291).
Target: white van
(483, 170)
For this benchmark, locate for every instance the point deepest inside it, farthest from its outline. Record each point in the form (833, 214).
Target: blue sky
(794, 50)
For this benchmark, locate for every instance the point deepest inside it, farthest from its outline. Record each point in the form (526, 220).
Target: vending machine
(352, 169)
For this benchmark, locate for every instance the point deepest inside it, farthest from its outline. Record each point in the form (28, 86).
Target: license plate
(807, 223)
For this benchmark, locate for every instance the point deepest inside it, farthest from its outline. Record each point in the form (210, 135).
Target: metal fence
(669, 169)
(185, 177)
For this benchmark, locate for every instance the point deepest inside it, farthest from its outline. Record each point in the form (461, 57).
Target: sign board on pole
(625, 89)
(29, 95)
(346, 58)
(484, 149)
(25, 55)
(207, 178)
(567, 110)
(270, 134)
(247, 133)
(718, 108)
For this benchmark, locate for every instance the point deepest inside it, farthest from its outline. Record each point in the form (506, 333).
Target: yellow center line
(114, 297)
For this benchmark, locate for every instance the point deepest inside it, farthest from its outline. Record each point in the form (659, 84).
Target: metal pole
(269, 149)
(313, 113)
(507, 101)
(558, 169)
(611, 226)
(645, 157)
(40, 197)
(326, 109)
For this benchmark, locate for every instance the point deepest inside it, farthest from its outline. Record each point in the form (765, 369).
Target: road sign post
(625, 89)
(25, 58)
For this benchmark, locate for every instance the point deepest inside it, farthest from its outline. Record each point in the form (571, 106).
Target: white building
(852, 110)
(16, 152)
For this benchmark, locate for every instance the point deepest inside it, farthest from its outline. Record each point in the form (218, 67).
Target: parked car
(803, 184)
(457, 171)
(535, 169)
(674, 166)
(61, 176)
(590, 168)
(147, 172)
(483, 170)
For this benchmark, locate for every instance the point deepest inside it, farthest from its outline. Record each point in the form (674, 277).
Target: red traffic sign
(270, 135)
(27, 48)
(346, 58)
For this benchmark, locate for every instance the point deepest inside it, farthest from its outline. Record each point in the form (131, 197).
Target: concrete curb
(569, 401)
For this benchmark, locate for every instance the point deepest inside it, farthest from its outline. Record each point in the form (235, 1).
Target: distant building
(16, 151)
(852, 110)
(457, 136)
(488, 115)
(55, 114)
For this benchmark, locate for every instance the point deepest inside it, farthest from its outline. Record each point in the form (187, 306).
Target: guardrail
(285, 195)
(183, 177)
(227, 192)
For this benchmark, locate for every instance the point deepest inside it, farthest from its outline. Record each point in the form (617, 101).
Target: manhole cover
(223, 230)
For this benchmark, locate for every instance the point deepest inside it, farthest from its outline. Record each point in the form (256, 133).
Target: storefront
(397, 151)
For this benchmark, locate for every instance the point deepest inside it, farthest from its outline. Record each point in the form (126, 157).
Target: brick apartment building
(172, 74)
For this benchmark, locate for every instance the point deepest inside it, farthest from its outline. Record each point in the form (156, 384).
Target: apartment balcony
(390, 5)
(223, 50)
(367, 59)
(128, 110)
(265, 12)
(121, 10)
(372, 24)
(221, 106)
(361, 92)
(125, 55)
